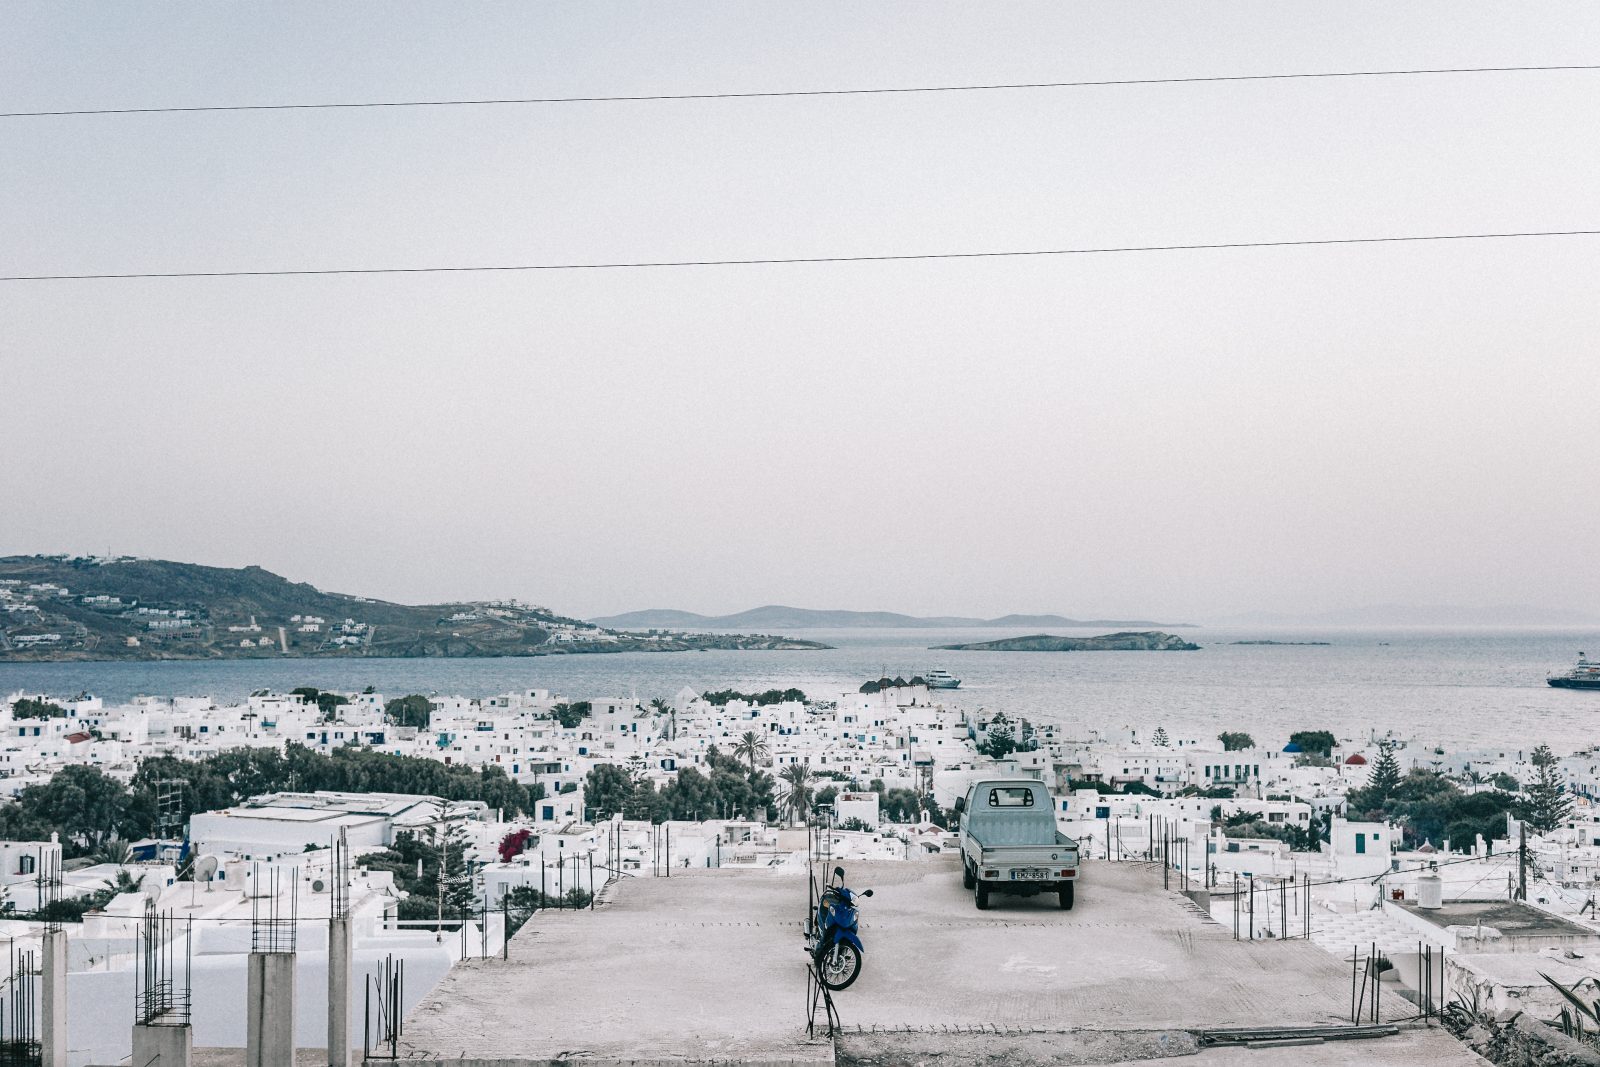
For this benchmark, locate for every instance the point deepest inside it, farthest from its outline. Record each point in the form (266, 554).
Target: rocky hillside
(1144, 641)
(776, 616)
(56, 607)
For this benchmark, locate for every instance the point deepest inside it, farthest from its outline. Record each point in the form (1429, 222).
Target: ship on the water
(941, 679)
(1586, 675)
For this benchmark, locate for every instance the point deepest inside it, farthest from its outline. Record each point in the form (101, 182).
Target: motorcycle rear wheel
(838, 965)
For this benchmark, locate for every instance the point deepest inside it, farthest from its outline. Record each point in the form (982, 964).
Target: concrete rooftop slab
(1414, 1048)
(1508, 916)
(708, 966)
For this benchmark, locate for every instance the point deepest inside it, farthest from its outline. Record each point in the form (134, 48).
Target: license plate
(1029, 874)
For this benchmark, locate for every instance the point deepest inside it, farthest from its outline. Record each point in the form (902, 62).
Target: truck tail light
(1066, 874)
(991, 874)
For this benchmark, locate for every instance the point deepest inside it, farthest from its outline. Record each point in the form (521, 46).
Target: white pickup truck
(1010, 844)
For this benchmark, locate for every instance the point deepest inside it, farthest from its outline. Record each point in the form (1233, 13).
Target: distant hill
(1419, 615)
(1150, 641)
(64, 608)
(776, 616)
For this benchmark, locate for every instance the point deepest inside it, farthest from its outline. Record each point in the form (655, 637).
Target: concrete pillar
(162, 1046)
(53, 1001)
(269, 1018)
(339, 956)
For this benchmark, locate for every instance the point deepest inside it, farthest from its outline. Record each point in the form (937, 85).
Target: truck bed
(1065, 850)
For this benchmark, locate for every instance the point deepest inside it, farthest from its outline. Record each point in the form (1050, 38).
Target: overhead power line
(773, 94)
(796, 260)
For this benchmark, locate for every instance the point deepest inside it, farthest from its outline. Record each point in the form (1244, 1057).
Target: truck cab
(1010, 844)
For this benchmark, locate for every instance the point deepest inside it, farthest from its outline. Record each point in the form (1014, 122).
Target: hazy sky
(1177, 434)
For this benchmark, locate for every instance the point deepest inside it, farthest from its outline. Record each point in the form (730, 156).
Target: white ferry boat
(1586, 675)
(942, 680)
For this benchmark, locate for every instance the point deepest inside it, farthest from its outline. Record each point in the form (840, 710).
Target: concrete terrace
(707, 966)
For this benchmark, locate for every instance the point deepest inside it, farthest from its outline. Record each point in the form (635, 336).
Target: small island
(1143, 641)
(1294, 644)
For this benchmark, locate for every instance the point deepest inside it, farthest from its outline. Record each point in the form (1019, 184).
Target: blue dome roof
(1292, 747)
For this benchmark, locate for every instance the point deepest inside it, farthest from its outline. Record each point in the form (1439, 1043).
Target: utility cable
(1423, 867)
(783, 93)
(797, 260)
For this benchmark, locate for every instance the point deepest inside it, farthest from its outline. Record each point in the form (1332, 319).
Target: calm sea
(1454, 686)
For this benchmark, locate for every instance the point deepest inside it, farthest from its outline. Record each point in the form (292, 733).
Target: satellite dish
(205, 869)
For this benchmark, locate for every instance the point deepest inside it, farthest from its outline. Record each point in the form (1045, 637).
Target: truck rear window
(1011, 797)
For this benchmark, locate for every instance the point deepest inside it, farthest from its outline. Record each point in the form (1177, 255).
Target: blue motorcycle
(832, 940)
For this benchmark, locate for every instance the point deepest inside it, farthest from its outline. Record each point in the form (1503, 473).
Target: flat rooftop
(1509, 917)
(708, 965)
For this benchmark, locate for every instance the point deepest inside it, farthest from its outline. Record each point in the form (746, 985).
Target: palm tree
(662, 706)
(794, 781)
(752, 746)
(124, 883)
(114, 850)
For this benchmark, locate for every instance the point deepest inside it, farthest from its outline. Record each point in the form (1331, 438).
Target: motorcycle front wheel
(838, 965)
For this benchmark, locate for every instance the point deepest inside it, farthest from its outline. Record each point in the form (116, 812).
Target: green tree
(1160, 739)
(85, 806)
(998, 740)
(82, 804)
(1298, 838)
(30, 708)
(448, 841)
(414, 710)
(794, 788)
(570, 715)
(520, 904)
(660, 706)
(1385, 774)
(608, 788)
(1548, 800)
(900, 805)
(1234, 741)
(751, 746)
(444, 884)
(770, 696)
(1220, 792)
(644, 803)
(114, 850)
(763, 794)
(1314, 742)
(1429, 806)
